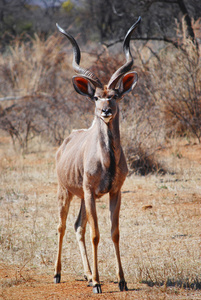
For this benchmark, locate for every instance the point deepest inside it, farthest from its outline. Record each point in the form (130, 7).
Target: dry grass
(160, 221)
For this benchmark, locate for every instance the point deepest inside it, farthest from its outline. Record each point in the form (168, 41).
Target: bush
(176, 86)
(166, 101)
(34, 76)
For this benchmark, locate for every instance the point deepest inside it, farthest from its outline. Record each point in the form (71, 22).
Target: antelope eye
(115, 97)
(95, 98)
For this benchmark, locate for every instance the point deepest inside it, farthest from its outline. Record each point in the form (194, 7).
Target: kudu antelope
(91, 162)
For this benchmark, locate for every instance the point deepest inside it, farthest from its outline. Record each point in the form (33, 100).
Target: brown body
(103, 167)
(91, 163)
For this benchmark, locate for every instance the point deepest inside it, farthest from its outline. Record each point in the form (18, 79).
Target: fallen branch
(10, 98)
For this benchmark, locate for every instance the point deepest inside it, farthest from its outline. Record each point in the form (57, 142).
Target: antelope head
(120, 83)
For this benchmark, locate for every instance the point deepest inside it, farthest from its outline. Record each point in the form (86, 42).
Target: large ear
(83, 86)
(127, 82)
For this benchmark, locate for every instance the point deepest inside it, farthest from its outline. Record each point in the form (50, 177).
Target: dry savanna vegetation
(161, 198)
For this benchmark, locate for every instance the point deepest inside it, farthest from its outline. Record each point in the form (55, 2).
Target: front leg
(90, 206)
(115, 203)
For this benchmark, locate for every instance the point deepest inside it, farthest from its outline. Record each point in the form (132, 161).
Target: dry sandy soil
(159, 223)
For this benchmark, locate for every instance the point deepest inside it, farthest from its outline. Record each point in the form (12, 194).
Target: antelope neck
(109, 135)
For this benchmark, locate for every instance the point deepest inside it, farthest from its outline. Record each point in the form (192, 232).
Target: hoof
(97, 289)
(123, 286)
(57, 278)
(90, 283)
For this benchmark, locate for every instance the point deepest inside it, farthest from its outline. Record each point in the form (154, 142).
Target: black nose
(107, 111)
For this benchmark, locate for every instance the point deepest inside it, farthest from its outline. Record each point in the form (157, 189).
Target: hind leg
(91, 214)
(64, 198)
(80, 228)
(115, 202)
